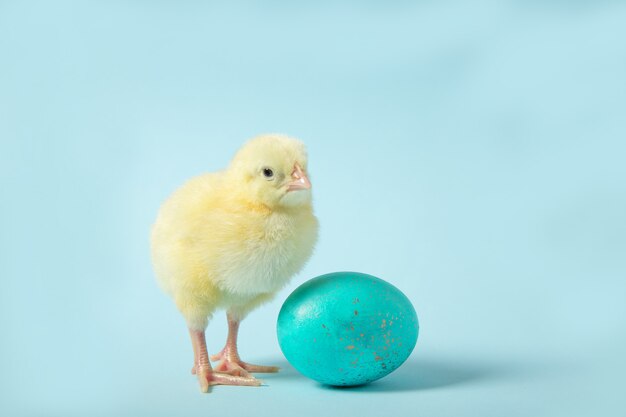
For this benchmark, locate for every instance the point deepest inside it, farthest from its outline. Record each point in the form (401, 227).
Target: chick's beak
(300, 180)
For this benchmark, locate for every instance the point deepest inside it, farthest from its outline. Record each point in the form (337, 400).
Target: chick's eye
(268, 173)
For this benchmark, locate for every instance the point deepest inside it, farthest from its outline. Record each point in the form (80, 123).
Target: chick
(231, 240)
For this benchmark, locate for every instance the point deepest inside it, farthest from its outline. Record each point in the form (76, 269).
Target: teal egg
(347, 328)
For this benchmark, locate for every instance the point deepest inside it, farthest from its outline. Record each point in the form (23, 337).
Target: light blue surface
(347, 328)
(473, 152)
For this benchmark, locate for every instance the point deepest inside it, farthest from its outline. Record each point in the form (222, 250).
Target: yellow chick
(231, 240)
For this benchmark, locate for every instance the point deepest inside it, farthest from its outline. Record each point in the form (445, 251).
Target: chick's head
(272, 170)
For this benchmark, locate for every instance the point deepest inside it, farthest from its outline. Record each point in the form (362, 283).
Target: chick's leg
(231, 363)
(202, 368)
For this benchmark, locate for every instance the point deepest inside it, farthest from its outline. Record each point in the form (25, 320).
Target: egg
(347, 328)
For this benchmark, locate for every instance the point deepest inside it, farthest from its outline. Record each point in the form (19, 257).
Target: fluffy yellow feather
(232, 239)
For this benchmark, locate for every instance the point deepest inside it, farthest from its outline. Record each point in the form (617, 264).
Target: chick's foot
(231, 364)
(208, 378)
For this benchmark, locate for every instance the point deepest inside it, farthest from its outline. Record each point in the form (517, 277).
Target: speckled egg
(347, 328)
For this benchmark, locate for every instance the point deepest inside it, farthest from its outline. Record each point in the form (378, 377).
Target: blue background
(470, 154)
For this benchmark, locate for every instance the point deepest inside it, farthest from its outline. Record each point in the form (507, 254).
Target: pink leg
(202, 367)
(231, 363)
